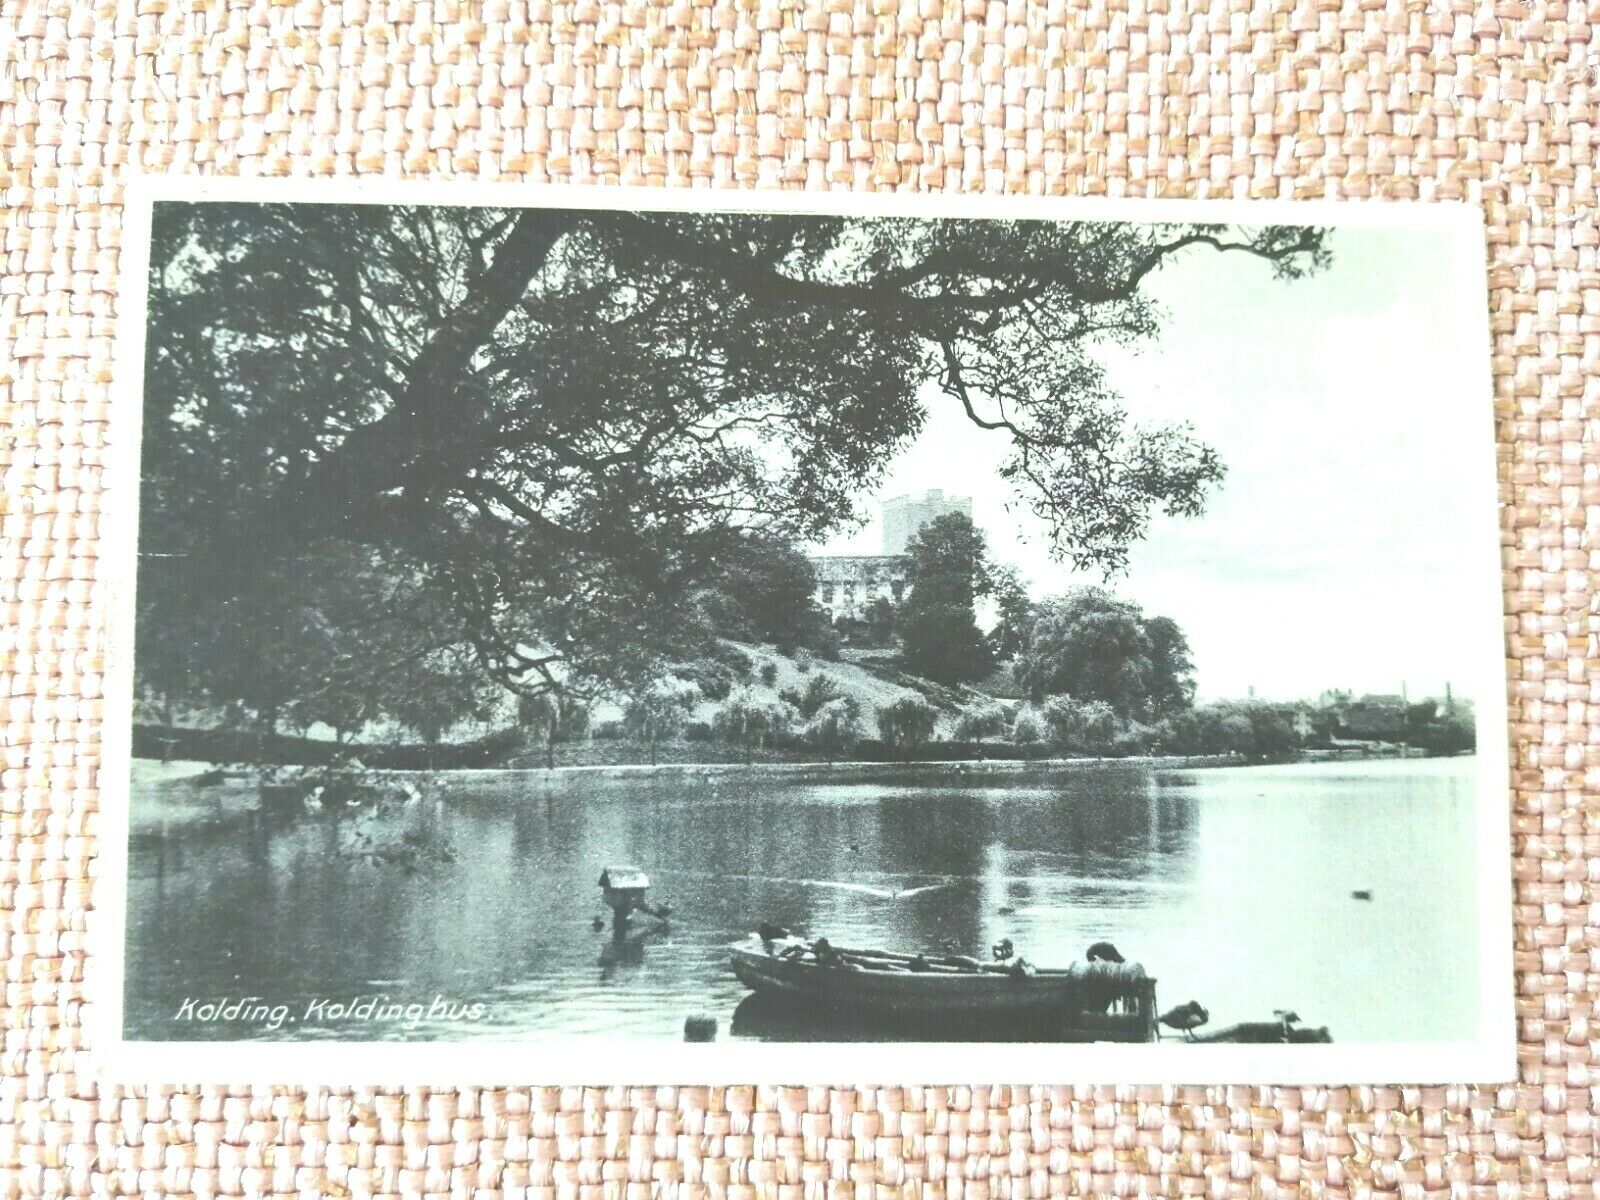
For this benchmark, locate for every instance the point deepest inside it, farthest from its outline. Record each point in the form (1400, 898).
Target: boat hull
(976, 1004)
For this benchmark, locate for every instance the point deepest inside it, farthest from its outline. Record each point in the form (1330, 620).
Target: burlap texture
(1299, 99)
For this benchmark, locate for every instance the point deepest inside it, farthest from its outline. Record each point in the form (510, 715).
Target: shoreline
(844, 768)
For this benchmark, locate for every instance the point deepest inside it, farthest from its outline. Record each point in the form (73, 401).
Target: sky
(1353, 414)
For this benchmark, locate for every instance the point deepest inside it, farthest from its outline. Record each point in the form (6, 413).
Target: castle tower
(904, 516)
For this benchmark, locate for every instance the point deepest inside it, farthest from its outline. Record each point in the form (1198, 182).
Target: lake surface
(1232, 886)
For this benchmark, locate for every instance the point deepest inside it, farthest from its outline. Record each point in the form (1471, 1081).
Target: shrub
(836, 726)
(769, 674)
(1029, 729)
(752, 721)
(982, 721)
(608, 731)
(736, 660)
(827, 643)
(697, 731)
(819, 691)
(659, 711)
(1081, 726)
(907, 723)
(713, 679)
(1134, 739)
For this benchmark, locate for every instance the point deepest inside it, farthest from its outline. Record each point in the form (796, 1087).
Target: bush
(1134, 739)
(819, 692)
(836, 726)
(981, 722)
(1254, 728)
(608, 731)
(1082, 726)
(658, 711)
(713, 679)
(769, 674)
(736, 660)
(827, 643)
(1029, 729)
(907, 723)
(697, 731)
(752, 721)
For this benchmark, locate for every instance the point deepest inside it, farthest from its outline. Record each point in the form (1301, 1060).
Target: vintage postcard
(586, 635)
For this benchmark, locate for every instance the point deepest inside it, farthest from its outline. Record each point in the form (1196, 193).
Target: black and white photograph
(602, 634)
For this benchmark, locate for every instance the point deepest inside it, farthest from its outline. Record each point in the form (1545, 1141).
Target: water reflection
(1230, 886)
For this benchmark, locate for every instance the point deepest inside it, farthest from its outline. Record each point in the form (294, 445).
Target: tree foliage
(1093, 646)
(1029, 727)
(981, 722)
(1254, 728)
(764, 590)
(907, 723)
(658, 711)
(1082, 726)
(545, 428)
(1013, 613)
(553, 717)
(948, 570)
(751, 720)
(836, 727)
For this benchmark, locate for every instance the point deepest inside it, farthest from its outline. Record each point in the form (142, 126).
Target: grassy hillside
(871, 683)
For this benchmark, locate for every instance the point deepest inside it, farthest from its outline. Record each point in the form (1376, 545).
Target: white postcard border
(1491, 1057)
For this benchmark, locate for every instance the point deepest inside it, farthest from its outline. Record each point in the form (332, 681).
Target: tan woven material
(1328, 99)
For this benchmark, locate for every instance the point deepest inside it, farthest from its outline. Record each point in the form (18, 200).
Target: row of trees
(820, 718)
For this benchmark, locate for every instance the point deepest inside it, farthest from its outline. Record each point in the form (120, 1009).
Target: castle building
(847, 584)
(904, 516)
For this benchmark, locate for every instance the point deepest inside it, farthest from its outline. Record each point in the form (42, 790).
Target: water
(1231, 886)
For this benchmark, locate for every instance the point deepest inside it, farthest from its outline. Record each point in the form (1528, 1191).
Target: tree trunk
(427, 416)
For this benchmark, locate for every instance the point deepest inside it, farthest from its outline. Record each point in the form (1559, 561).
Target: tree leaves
(552, 421)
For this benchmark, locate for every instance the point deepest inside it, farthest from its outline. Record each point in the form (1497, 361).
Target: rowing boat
(1096, 1001)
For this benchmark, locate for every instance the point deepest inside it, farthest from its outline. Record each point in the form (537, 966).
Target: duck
(1186, 1017)
(1002, 950)
(1104, 952)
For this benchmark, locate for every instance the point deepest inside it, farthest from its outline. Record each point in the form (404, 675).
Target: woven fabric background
(1436, 99)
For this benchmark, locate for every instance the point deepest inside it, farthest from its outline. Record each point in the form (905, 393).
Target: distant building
(904, 516)
(847, 584)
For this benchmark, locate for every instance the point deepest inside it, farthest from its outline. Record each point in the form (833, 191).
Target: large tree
(764, 590)
(1093, 646)
(947, 571)
(548, 422)
(1013, 612)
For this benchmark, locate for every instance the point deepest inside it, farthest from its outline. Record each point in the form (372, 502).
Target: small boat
(1084, 1002)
